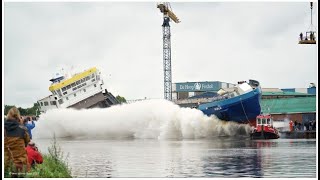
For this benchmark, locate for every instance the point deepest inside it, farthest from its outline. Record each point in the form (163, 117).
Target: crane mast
(167, 15)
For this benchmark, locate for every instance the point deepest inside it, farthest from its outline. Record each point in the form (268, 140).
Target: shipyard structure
(189, 94)
(294, 104)
(286, 104)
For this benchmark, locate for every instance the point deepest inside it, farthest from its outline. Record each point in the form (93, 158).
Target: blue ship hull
(242, 109)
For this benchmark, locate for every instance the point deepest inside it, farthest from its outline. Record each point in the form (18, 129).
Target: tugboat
(264, 128)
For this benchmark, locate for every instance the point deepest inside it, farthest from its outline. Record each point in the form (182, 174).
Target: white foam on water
(149, 119)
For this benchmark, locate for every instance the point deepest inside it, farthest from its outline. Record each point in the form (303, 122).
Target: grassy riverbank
(54, 165)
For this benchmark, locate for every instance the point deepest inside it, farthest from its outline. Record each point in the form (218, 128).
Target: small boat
(264, 128)
(240, 103)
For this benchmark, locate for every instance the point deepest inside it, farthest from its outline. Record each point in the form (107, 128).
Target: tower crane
(310, 37)
(168, 15)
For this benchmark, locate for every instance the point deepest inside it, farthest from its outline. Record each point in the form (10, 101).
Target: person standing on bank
(295, 125)
(16, 139)
(291, 126)
(28, 125)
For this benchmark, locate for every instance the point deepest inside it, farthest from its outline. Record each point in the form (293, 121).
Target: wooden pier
(298, 134)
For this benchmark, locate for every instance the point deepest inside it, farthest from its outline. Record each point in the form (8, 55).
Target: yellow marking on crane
(166, 11)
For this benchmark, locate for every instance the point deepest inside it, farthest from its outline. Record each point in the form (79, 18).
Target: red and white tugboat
(264, 128)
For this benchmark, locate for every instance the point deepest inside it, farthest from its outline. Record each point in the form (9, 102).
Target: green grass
(54, 165)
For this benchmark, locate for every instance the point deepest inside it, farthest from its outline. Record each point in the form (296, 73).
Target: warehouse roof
(271, 90)
(285, 94)
(289, 105)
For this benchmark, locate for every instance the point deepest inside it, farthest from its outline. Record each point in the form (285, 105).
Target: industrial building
(300, 109)
(184, 90)
(310, 90)
(296, 104)
(281, 94)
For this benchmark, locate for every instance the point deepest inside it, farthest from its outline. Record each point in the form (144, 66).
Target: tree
(7, 108)
(34, 109)
(121, 99)
(24, 111)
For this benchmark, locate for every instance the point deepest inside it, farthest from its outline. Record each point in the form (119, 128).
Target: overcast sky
(228, 41)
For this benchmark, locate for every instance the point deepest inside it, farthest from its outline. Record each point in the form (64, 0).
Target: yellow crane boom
(164, 8)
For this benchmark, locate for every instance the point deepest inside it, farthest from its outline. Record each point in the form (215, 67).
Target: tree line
(33, 111)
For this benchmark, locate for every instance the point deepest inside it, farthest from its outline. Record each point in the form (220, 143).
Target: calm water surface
(220, 157)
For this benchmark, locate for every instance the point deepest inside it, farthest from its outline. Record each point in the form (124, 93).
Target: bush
(54, 164)
(50, 168)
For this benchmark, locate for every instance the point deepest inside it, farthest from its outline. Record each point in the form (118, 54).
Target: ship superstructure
(82, 90)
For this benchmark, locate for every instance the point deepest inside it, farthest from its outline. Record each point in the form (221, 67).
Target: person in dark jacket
(34, 156)
(314, 125)
(306, 124)
(312, 36)
(310, 125)
(16, 138)
(29, 126)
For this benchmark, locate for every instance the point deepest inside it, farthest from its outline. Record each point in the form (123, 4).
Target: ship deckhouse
(80, 91)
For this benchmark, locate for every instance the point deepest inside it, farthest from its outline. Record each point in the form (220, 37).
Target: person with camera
(28, 125)
(34, 156)
(16, 138)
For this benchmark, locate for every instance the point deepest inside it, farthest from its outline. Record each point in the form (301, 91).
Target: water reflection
(232, 158)
(288, 158)
(219, 157)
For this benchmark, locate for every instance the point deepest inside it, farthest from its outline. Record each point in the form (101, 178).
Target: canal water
(160, 139)
(220, 157)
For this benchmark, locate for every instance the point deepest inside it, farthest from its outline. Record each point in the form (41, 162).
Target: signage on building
(198, 86)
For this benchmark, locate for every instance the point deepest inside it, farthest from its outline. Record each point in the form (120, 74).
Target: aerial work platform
(310, 37)
(307, 42)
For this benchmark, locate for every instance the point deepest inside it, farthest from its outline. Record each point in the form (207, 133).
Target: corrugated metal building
(310, 90)
(271, 90)
(300, 109)
(286, 94)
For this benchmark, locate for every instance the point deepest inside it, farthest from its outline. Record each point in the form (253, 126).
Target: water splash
(150, 119)
(282, 125)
